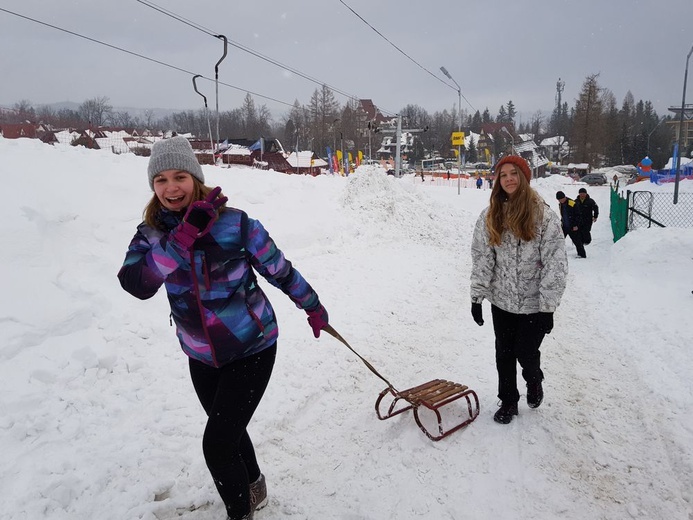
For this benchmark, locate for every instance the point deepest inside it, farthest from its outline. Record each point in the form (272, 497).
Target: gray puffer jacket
(517, 276)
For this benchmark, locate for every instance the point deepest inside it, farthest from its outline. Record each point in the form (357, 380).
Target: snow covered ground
(98, 418)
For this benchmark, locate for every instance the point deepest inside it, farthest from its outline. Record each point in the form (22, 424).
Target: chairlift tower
(397, 132)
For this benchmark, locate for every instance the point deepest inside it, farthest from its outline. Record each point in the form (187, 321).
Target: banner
(329, 159)
(340, 162)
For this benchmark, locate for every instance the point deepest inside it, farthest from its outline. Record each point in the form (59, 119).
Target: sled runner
(433, 396)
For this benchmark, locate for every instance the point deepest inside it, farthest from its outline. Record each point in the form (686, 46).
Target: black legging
(518, 339)
(230, 395)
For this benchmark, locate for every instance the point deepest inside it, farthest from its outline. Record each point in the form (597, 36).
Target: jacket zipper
(201, 308)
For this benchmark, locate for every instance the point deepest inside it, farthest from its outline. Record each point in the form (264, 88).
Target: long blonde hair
(517, 213)
(151, 210)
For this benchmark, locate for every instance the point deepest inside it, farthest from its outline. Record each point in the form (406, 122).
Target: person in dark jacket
(589, 213)
(206, 255)
(519, 265)
(570, 222)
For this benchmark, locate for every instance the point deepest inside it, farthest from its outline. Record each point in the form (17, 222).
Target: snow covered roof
(304, 160)
(236, 149)
(66, 136)
(114, 144)
(557, 140)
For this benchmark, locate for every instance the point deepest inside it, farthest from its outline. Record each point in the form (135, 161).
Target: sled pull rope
(330, 330)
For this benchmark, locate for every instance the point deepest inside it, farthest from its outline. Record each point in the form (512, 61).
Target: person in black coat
(570, 222)
(589, 213)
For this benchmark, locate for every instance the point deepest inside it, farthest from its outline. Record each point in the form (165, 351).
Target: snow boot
(258, 493)
(249, 516)
(505, 413)
(535, 394)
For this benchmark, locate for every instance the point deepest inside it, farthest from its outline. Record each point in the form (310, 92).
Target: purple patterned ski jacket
(220, 312)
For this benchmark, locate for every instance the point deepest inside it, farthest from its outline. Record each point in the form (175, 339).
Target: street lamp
(683, 107)
(512, 140)
(459, 125)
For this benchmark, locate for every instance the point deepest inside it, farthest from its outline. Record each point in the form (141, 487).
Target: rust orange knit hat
(517, 161)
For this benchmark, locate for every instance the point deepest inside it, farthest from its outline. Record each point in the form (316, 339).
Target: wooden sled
(432, 395)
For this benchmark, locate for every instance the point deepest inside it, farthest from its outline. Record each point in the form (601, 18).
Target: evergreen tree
(472, 155)
(486, 116)
(587, 135)
(475, 125)
(510, 112)
(612, 144)
(502, 116)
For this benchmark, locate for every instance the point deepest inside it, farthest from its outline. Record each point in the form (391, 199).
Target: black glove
(477, 314)
(545, 322)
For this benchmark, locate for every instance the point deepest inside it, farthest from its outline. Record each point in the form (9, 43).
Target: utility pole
(398, 147)
(560, 85)
(459, 125)
(683, 108)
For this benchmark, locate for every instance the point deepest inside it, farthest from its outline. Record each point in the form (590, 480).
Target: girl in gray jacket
(520, 266)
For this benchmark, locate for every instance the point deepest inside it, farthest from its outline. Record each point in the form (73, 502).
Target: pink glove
(199, 218)
(317, 319)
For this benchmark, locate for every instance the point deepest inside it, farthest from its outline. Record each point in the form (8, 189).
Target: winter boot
(505, 413)
(535, 394)
(258, 493)
(249, 516)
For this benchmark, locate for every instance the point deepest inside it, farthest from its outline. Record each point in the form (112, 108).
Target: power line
(115, 47)
(402, 52)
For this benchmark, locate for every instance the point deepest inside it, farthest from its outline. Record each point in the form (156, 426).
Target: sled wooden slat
(432, 395)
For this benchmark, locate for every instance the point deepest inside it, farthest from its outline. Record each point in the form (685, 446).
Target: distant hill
(133, 111)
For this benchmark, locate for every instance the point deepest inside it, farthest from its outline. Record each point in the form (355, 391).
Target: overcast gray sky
(496, 50)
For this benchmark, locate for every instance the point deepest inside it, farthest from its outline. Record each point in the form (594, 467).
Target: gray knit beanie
(175, 153)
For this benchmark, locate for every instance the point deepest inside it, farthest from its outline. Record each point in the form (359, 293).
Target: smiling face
(509, 178)
(174, 189)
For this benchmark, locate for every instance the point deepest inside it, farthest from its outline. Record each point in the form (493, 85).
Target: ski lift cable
(242, 47)
(142, 56)
(401, 51)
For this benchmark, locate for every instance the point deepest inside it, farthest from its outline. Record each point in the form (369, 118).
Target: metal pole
(512, 140)
(459, 146)
(297, 164)
(341, 145)
(459, 127)
(209, 127)
(216, 78)
(370, 152)
(398, 147)
(678, 155)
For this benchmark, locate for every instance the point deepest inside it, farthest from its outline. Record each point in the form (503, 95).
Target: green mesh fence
(618, 213)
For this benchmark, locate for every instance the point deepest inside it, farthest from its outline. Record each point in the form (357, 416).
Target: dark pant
(576, 237)
(230, 395)
(518, 339)
(585, 234)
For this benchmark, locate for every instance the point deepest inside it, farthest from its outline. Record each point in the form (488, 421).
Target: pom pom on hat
(517, 161)
(175, 153)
